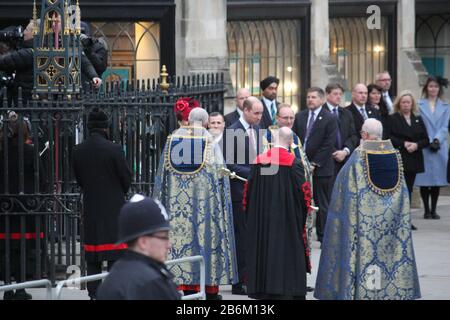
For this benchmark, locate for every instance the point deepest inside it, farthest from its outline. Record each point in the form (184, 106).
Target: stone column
(411, 72)
(323, 70)
(201, 40)
(201, 37)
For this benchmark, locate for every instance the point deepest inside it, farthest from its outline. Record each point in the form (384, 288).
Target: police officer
(141, 273)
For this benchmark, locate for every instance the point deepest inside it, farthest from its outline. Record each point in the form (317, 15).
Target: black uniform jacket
(138, 277)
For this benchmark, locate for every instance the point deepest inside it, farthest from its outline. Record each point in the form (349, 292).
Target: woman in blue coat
(435, 113)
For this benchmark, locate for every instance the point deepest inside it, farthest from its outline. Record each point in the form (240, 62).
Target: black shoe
(21, 294)
(427, 215)
(309, 289)
(413, 227)
(8, 295)
(239, 289)
(435, 216)
(213, 296)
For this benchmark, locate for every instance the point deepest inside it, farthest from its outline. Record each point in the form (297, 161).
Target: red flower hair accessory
(183, 107)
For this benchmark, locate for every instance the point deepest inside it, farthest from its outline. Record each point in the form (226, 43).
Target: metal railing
(202, 294)
(30, 284)
(41, 218)
(77, 281)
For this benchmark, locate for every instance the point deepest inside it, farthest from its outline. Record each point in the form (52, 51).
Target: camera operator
(21, 63)
(6, 79)
(17, 62)
(96, 50)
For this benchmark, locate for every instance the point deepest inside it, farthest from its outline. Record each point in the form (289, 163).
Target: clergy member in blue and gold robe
(197, 197)
(367, 250)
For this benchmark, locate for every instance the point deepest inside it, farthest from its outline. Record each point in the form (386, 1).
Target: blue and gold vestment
(367, 250)
(197, 197)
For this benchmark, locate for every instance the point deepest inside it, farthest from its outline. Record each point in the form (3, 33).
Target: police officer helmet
(141, 216)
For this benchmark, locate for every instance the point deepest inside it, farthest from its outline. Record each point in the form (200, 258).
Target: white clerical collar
(281, 147)
(244, 123)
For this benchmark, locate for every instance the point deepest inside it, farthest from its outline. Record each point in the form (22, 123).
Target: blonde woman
(409, 135)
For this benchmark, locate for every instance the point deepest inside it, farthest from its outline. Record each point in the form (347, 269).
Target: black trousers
(240, 229)
(95, 268)
(410, 177)
(322, 193)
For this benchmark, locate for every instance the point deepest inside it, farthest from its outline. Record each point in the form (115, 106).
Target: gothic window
(433, 43)
(257, 49)
(358, 52)
(134, 49)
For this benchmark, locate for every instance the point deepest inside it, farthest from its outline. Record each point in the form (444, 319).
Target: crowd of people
(243, 191)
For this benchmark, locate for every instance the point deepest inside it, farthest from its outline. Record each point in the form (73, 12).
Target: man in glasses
(384, 80)
(141, 273)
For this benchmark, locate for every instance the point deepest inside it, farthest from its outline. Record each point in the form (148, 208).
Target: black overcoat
(104, 177)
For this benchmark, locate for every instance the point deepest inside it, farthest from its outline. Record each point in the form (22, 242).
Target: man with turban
(269, 87)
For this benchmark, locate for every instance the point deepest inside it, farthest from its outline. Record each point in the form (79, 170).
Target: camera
(6, 80)
(86, 41)
(11, 34)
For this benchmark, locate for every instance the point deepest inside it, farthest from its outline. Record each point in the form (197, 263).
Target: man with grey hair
(276, 209)
(372, 129)
(198, 117)
(369, 212)
(190, 185)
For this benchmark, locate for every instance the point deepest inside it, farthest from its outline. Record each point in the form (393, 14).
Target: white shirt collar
(244, 123)
(267, 102)
(218, 138)
(239, 111)
(316, 112)
(330, 106)
(359, 107)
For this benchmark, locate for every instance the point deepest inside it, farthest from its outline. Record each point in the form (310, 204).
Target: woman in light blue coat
(435, 113)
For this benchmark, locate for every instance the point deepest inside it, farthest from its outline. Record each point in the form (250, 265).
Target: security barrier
(30, 284)
(77, 281)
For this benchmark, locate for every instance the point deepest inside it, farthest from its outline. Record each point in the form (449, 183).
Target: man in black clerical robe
(277, 198)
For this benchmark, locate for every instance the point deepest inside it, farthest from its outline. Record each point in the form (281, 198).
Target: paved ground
(432, 248)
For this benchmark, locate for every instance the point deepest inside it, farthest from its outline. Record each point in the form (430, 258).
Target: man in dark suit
(241, 143)
(359, 109)
(102, 172)
(269, 87)
(316, 128)
(384, 80)
(241, 95)
(346, 137)
(216, 126)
